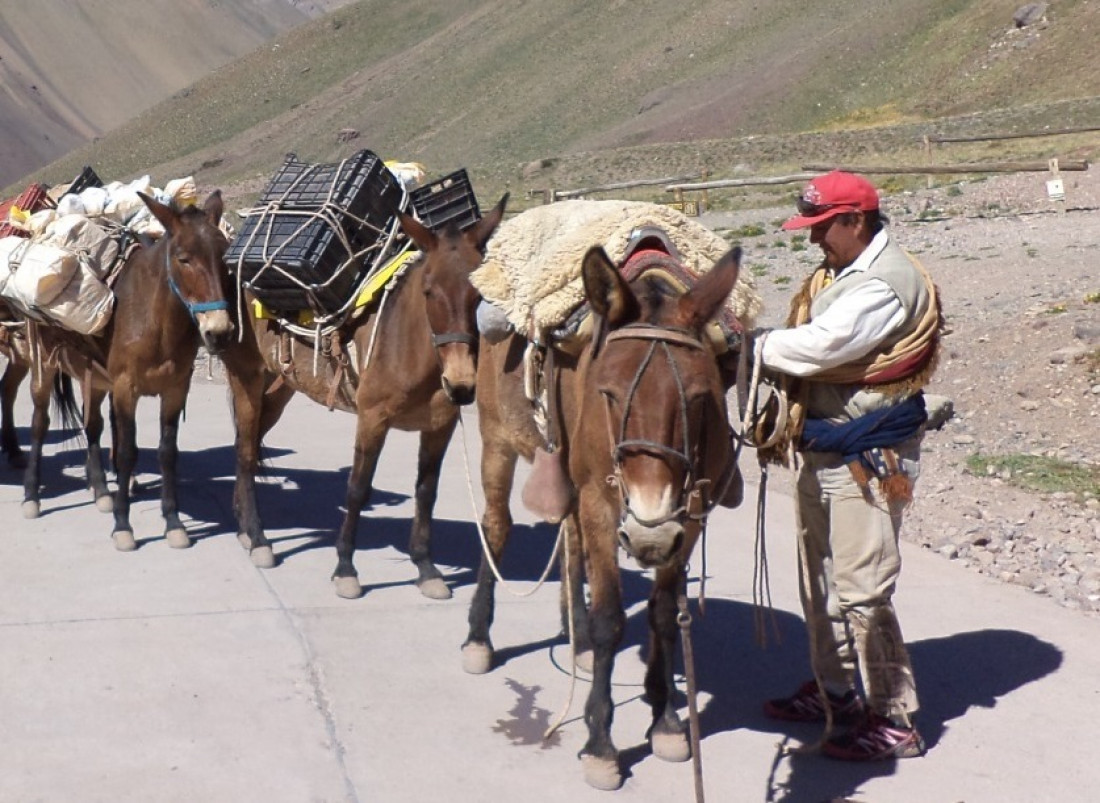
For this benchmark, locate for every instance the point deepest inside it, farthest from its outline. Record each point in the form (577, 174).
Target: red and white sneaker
(805, 706)
(876, 738)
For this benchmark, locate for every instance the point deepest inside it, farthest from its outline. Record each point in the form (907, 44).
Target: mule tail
(66, 411)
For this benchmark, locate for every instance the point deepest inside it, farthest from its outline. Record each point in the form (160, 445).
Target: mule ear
(606, 289)
(214, 207)
(484, 228)
(702, 302)
(168, 217)
(425, 238)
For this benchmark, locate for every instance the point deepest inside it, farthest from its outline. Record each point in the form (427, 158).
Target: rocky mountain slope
(71, 70)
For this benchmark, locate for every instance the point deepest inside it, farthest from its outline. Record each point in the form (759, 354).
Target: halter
(453, 337)
(193, 307)
(690, 502)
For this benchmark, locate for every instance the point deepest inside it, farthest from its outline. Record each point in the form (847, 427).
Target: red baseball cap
(833, 194)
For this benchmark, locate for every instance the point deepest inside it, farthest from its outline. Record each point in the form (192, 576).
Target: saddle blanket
(532, 268)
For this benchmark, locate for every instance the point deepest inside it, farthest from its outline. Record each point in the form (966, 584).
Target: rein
(193, 307)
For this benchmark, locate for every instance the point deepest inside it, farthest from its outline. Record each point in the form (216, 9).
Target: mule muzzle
(216, 330)
(652, 547)
(460, 394)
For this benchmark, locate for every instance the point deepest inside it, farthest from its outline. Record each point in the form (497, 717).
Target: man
(861, 342)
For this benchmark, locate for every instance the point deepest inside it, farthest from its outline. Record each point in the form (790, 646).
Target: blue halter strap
(193, 307)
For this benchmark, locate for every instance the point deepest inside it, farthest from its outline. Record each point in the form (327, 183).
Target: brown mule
(14, 347)
(422, 349)
(169, 300)
(648, 450)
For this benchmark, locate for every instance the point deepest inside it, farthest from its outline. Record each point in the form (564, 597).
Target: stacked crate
(450, 200)
(315, 231)
(33, 199)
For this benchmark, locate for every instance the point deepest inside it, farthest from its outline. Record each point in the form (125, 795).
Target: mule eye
(184, 258)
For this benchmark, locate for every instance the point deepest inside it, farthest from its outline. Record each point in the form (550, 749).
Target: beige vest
(842, 402)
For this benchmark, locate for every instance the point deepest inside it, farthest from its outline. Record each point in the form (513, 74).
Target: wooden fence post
(928, 159)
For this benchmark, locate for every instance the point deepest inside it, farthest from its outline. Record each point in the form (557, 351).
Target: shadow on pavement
(954, 673)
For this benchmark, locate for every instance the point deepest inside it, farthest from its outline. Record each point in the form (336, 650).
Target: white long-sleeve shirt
(852, 326)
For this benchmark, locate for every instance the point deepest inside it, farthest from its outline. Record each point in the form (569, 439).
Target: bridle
(193, 307)
(692, 503)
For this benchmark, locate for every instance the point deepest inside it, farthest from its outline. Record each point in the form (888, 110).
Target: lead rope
(683, 618)
(559, 543)
(481, 532)
(572, 643)
(747, 393)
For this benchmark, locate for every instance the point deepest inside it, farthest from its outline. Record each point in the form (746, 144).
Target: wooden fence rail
(1026, 135)
(726, 183)
(974, 167)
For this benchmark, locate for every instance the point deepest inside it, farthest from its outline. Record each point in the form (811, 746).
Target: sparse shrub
(782, 281)
(954, 191)
(758, 269)
(1037, 473)
(751, 230)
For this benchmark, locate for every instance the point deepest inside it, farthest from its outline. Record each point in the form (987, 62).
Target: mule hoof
(244, 541)
(263, 557)
(434, 588)
(477, 659)
(177, 539)
(31, 510)
(670, 746)
(124, 540)
(585, 660)
(602, 773)
(105, 503)
(348, 587)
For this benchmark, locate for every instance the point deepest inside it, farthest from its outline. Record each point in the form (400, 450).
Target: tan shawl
(906, 367)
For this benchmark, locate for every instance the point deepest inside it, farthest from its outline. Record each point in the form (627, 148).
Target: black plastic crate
(451, 199)
(361, 185)
(306, 248)
(87, 178)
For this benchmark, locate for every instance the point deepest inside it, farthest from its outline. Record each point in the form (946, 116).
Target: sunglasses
(813, 210)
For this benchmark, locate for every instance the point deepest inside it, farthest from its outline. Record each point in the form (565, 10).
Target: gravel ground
(1020, 367)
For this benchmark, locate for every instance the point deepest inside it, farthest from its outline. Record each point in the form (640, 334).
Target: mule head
(450, 300)
(193, 250)
(663, 404)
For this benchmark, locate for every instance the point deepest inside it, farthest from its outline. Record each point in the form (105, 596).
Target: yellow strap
(366, 295)
(381, 277)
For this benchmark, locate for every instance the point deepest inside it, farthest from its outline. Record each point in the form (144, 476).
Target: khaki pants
(849, 565)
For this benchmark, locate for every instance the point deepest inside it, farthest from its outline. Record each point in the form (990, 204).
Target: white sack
(84, 306)
(36, 272)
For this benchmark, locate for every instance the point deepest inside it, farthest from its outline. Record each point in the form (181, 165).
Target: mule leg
(93, 466)
(573, 601)
(255, 412)
(14, 374)
(124, 438)
(668, 736)
(606, 623)
(172, 402)
(370, 435)
(433, 447)
(41, 389)
(498, 468)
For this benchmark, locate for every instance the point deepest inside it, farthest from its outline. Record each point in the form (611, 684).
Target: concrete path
(165, 675)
